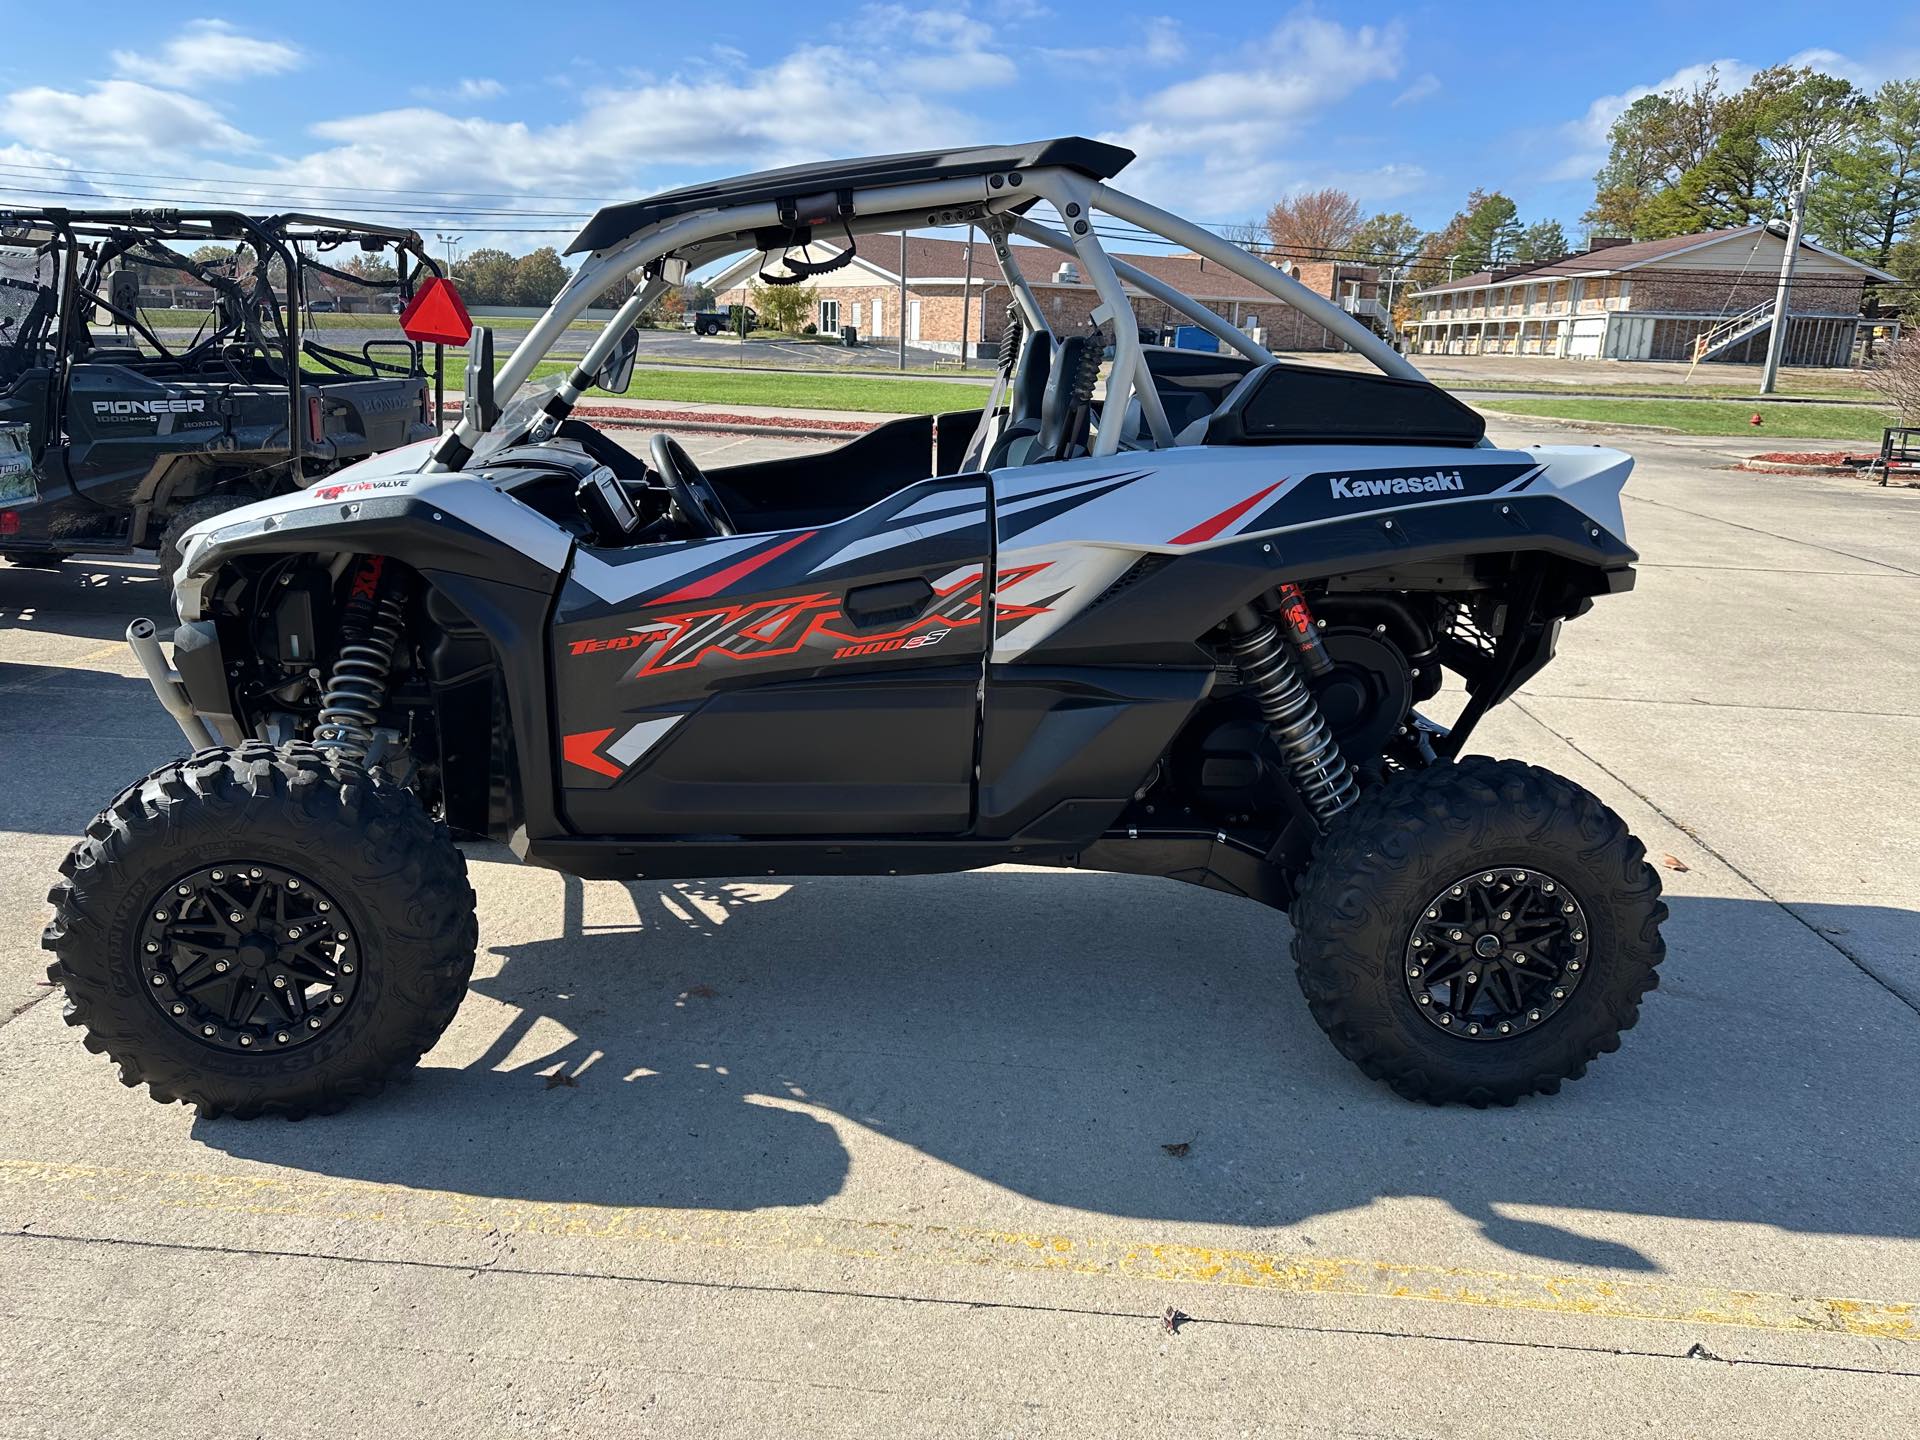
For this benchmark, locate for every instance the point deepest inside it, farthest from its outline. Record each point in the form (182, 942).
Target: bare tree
(1318, 225)
(1895, 377)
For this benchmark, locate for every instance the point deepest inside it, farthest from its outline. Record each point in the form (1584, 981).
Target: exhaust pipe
(167, 684)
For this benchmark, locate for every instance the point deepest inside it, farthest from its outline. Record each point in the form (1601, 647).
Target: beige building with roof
(941, 288)
(1708, 296)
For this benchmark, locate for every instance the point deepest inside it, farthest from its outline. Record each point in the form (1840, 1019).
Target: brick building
(866, 293)
(1708, 296)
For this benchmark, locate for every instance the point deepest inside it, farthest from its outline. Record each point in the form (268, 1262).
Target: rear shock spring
(1269, 668)
(370, 630)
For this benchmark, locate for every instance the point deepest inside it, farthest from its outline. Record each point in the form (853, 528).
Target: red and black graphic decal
(788, 624)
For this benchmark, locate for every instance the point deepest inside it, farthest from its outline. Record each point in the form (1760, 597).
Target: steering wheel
(693, 494)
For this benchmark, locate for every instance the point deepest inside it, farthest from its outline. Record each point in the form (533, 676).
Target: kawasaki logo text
(1345, 487)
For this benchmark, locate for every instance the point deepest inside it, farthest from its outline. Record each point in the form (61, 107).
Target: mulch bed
(1826, 462)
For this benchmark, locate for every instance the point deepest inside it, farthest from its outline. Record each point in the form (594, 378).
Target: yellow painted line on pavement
(23, 1183)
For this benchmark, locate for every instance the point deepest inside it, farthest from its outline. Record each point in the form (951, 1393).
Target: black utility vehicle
(158, 367)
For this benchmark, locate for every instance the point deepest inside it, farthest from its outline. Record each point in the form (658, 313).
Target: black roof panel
(615, 223)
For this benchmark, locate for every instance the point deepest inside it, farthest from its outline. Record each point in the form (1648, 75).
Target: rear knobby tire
(1385, 859)
(183, 520)
(402, 889)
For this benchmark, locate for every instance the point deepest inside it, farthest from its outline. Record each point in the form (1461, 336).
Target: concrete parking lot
(847, 1156)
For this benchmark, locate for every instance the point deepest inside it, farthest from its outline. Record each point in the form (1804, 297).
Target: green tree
(1540, 242)
(538, 277)
(485, 277)
(1489, 217)
(371, 267)
(1656, 140)
(1388, 240)
(781, 307)
(1903, 297)
(1870, 194)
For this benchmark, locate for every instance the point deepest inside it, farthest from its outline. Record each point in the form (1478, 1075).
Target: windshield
(515, 421)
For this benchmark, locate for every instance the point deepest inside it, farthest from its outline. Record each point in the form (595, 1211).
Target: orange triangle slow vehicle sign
(436, 315)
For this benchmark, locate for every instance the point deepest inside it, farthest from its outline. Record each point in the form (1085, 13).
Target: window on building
(829, 316)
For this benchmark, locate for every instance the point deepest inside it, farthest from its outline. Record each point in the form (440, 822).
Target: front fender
(452, 522)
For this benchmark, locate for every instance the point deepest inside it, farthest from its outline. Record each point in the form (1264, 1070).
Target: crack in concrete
(1774, 535)
(1155, 1317)
(1858, 962)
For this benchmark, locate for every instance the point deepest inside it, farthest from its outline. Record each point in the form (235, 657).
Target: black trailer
(160, 366)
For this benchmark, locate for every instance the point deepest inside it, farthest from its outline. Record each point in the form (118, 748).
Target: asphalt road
(852, 1157)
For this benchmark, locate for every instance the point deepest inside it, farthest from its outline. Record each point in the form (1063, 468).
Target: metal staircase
(1731, 332)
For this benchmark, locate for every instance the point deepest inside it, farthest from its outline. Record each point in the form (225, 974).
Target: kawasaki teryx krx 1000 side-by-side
(1175, 615)
(160, 367)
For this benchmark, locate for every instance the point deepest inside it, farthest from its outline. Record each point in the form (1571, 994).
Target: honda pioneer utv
(1180, 623)
(155, 369)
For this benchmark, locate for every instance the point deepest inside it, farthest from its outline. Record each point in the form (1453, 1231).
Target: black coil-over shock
(370, 629)
(1272, 671)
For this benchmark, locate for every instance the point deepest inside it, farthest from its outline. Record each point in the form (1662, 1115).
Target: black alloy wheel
(244, 956)
(1496, 953)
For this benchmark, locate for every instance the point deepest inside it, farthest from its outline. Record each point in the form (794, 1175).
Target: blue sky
(433, 113)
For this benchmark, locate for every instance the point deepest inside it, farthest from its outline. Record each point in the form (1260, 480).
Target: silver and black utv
(1177, 615)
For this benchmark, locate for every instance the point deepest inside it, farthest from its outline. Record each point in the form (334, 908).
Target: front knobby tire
(1407, 897)
(218, 878)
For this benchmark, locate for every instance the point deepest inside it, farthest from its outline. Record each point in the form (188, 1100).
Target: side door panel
(816, 681)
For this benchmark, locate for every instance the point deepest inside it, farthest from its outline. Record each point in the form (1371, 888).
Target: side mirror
(479, 381)
(616, 371)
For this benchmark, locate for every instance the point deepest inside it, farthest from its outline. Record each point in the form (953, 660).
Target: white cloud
(1585, 139)
(1420, 89)
(1163, 43)
(940, 51)
(116, 116)
(466, 88)
(1869, 74)
(209, 50)
(1213, 142)
(1373, 187)
(816, 102)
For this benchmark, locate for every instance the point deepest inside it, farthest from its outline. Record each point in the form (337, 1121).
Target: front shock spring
(1269, 668)
(370, 630)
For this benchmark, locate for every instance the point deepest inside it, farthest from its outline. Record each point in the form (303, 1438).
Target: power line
(283, 182)
(226, 198)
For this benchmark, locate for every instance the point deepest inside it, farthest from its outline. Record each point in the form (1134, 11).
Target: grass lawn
(1711, 417)
(800, 392)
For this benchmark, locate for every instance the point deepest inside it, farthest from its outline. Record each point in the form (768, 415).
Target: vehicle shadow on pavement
(738, 1043)
(82, 597)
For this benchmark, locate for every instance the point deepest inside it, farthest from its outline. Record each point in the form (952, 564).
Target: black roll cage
(105, 236)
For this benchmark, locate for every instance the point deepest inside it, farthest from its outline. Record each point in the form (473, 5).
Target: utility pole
(1777, 336)
(903, 299)
(966, 304)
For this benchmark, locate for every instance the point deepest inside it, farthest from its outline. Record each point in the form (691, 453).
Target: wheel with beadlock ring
(262, 930)
(1477, 931)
